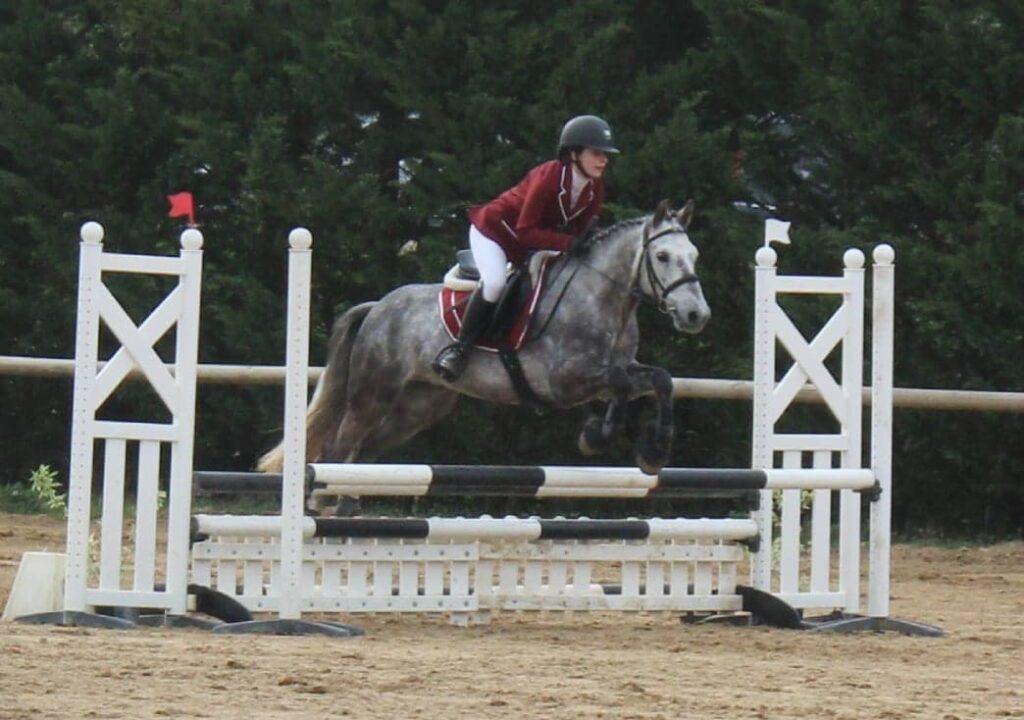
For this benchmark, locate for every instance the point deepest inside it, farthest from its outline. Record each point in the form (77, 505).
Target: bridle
(660, 289)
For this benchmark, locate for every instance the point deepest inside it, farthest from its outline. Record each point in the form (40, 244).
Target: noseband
(661, 290)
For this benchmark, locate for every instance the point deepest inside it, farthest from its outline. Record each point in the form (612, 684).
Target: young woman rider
(555, 203)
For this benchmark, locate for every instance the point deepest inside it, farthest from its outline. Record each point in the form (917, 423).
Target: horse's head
(668, 271)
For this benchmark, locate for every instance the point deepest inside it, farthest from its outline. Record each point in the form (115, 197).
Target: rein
(561, 294)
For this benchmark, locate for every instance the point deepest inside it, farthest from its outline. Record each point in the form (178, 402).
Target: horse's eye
(662, 256)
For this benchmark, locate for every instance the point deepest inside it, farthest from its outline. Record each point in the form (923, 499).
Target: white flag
(776, 231)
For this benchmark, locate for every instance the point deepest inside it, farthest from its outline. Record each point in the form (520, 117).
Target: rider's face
(593, 162)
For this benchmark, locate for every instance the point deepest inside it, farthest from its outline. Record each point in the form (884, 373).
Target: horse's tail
(327, 408)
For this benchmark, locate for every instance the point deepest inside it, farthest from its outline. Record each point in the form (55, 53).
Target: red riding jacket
(535, 214)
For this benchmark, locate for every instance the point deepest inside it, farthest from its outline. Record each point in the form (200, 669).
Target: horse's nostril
(693, 317)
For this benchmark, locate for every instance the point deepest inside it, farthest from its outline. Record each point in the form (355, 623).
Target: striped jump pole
(414, 480)
(483, 529)
(571, 481)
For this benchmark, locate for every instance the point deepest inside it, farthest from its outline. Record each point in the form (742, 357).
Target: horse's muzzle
(690, 320)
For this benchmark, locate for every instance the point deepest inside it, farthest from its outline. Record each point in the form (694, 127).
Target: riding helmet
(587, 131)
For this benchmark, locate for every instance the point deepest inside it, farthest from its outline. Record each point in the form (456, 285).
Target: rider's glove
(581, 243)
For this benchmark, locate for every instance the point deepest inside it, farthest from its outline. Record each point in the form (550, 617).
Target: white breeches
(490, 261)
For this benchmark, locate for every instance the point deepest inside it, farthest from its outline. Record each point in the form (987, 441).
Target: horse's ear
(686, 214)
(660, 213)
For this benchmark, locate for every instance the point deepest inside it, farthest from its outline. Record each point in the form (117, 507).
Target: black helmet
(587, 131)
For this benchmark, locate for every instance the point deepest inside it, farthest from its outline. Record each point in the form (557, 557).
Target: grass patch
(39, 496)
(18, 499)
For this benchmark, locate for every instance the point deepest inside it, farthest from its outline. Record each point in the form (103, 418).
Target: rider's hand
(581, 242)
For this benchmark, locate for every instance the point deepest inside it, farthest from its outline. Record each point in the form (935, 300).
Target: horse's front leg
(601, 427)
(654, 447)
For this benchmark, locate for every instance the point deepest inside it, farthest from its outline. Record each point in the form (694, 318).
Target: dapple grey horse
(378, 389)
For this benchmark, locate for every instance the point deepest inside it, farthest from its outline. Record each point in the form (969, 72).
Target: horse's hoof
(584, 446)
(586, 449)
(647, 467)
(592, 440)
(653, 450)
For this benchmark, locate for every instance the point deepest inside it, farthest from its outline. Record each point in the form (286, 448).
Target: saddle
(508, 329)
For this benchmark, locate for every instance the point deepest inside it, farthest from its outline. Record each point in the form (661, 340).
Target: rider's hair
(565, 154)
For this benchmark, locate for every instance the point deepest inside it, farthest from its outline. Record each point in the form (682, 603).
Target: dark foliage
(375, 123)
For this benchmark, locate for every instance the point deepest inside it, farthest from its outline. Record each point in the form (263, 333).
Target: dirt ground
(542, 666)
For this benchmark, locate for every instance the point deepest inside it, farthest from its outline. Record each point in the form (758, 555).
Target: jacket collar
(565, 195)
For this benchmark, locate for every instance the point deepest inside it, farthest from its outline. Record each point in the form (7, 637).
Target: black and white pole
(561, 481)
(481, 529)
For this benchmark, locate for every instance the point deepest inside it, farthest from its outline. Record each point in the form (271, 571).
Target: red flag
(181, 204)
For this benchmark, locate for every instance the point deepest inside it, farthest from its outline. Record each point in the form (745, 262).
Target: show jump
(471, 568)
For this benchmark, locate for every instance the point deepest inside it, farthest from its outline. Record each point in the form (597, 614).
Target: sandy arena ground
(550, 666)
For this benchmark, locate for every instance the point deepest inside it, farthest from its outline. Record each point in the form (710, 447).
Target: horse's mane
(605, 233)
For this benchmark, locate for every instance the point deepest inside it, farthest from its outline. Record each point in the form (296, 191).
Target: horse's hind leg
(374, 424)
(363, 439)
(367, 409)
(419, 406)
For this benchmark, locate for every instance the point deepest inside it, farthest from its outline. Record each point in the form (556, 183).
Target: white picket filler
(175, 386)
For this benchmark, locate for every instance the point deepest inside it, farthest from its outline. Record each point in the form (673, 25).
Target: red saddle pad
(452, 305)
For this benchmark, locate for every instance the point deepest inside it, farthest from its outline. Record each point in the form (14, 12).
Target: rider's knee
(492, 290)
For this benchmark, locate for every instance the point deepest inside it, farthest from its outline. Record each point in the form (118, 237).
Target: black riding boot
(451, 361)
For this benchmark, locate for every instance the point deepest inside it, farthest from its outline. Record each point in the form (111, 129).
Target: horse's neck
(616, 258)
(601, 286)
